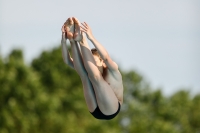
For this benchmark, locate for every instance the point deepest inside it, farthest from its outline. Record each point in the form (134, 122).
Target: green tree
(18, 95)
(47, 97)
(63, 83)
(194, 116)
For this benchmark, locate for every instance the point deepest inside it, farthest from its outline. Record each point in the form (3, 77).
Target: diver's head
(99, 61)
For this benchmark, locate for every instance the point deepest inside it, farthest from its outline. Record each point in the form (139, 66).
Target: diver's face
(99, 63)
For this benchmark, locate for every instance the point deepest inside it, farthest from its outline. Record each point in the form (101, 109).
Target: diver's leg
(80, 69)
(106, 98)
(77, 62)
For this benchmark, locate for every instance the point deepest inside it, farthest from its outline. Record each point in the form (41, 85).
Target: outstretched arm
(102, 51)
(65, 53)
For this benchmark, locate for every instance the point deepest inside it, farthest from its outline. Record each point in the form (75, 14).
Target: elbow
(105, 57)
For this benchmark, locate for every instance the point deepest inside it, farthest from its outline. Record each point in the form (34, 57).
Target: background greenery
(47, 97)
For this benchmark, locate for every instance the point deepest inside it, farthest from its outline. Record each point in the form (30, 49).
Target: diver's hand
(87, 30)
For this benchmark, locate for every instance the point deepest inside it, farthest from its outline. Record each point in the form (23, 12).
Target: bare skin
(102, 81)
(69, 28)
(77, 64)
(77, 33)
(105, 77)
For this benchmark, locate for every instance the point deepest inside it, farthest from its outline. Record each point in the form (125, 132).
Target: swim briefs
(99, 115)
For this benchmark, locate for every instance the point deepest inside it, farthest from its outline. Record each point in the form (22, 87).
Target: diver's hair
(95, 52)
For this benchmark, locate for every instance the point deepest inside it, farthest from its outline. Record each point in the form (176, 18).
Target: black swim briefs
(99, 115)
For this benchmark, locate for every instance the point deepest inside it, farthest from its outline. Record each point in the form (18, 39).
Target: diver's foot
(77, 34)
(69, 28)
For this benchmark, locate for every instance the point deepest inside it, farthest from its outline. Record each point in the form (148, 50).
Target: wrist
(91, 39)
(63, 34)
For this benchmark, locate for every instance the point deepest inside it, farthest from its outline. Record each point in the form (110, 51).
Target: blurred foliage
(47, 97)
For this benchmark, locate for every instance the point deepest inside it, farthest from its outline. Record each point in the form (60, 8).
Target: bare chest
(116, 84)
(113, 82)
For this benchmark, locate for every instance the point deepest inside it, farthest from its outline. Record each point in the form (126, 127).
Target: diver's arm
(65, 53)
(101, 50)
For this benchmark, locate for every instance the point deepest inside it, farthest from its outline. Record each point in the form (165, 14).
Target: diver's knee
(95, 77)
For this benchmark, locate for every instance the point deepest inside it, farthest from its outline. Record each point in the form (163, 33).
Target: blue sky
(159, 39)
